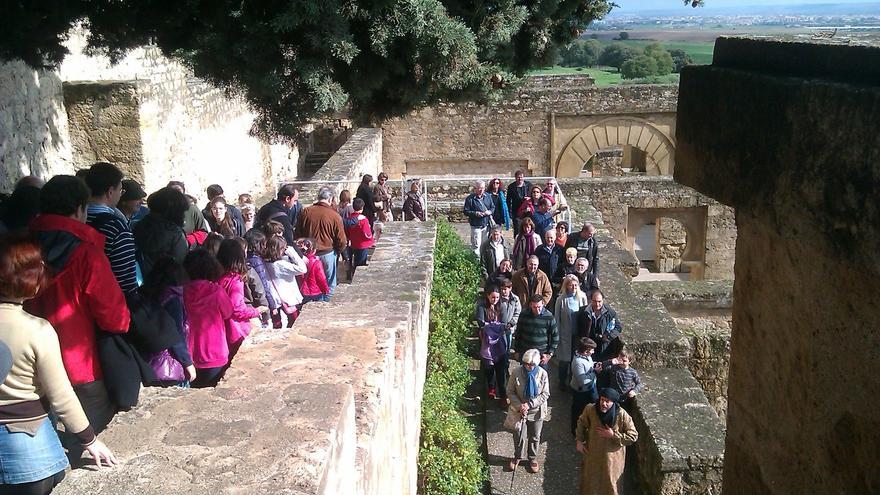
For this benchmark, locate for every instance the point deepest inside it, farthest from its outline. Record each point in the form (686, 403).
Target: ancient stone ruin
(332, 406)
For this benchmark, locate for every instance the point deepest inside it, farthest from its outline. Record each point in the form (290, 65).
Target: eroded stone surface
(789, 138)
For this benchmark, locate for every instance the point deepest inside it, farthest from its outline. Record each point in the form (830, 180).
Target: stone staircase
(313, 162)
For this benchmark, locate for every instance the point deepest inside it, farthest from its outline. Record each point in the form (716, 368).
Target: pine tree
(293, 61)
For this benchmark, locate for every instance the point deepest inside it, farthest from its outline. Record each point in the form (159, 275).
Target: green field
(700, 51)
(604, 76)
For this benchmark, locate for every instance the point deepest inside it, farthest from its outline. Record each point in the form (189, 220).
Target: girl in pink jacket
(231, 256)
(207, 309)
(313, 283)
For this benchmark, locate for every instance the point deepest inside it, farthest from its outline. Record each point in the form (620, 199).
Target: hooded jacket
(207, 309)
(82, 295)
(155, 238)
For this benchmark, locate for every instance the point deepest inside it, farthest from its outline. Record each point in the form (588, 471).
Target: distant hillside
(821, 9)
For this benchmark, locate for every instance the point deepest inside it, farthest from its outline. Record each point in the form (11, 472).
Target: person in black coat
(600, 323)
(365, 192)
(279, 210)
(517, 192)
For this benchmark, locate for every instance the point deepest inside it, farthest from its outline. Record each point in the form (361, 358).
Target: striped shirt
(119, 246)
(622, 380)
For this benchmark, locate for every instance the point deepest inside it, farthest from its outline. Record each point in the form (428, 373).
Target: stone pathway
(560, 462)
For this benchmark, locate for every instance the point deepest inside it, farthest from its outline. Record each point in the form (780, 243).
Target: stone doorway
(670, 243)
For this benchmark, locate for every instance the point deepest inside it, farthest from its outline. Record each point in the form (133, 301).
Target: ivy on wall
(449, 458)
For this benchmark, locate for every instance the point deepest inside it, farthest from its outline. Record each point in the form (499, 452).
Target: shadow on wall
(33, 124)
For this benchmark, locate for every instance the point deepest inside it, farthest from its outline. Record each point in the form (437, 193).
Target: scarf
(532, 382)
(526, 242)
(610, 417)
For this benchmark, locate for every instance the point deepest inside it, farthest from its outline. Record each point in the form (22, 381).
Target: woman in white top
(571, 299)
(283, 264)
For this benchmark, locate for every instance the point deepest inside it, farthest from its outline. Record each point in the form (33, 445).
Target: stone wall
(681, 438)
(331, 406)
(105, 125)
(517, 132)
(361, 154)
(703, 312)
(615, 196)
(33, 124)
(786, 133)
(188, 130)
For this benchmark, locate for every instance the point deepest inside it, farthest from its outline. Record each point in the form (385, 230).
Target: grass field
(604, 76)
(700, 51)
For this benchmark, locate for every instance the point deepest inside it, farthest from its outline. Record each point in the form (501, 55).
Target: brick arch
(617, 131)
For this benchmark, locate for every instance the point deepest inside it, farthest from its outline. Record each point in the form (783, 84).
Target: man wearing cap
(586, 246)
(131, 203)
(603, 431)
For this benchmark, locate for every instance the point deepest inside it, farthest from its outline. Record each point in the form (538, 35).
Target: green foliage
(616, 54)
(680, 58)
(449, 459)
(296, 60)
(580, 53)
(641, 66)
(663, 58)
(623, 35)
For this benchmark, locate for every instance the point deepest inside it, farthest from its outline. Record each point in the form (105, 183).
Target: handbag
(167, 368)
(514, 420)
(492, 222)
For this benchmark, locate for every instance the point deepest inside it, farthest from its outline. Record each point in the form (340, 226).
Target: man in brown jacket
(530, 280)
(322, 223)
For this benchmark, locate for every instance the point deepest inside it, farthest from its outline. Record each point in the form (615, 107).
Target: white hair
(480, 183)
(325, 194)
(531, 356)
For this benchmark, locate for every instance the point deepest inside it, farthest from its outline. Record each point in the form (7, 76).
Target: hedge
(449, 458)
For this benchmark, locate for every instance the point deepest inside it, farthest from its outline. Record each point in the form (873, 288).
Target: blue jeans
(329, 262)
(25, 458)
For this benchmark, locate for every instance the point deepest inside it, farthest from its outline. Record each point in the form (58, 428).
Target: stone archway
(692, 220)
(617, 131)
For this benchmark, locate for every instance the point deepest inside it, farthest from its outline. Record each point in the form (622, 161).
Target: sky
(633, 6)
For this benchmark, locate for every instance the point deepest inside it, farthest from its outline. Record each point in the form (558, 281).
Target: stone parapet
(681, 443)
(703, 312)
(330, 406)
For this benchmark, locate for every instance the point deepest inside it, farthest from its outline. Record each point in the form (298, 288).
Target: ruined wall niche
(531, 126)
(680, 237)
(786, 132)
(616, 197)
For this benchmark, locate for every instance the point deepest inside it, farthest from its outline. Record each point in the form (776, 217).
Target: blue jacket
(474, 205)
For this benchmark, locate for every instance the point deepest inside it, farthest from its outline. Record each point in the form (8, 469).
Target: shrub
(450, 462)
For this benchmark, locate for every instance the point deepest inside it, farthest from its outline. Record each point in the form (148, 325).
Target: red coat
(83, 293)
(314, 281)
(360, 235)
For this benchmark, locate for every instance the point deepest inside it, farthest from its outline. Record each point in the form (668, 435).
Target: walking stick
(522, 425)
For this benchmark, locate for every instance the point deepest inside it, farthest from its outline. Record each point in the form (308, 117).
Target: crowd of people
(542, 303)
(105, 288)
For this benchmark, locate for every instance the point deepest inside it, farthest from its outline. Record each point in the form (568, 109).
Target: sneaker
(491, 393)
(511, 466)
(533, 466)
